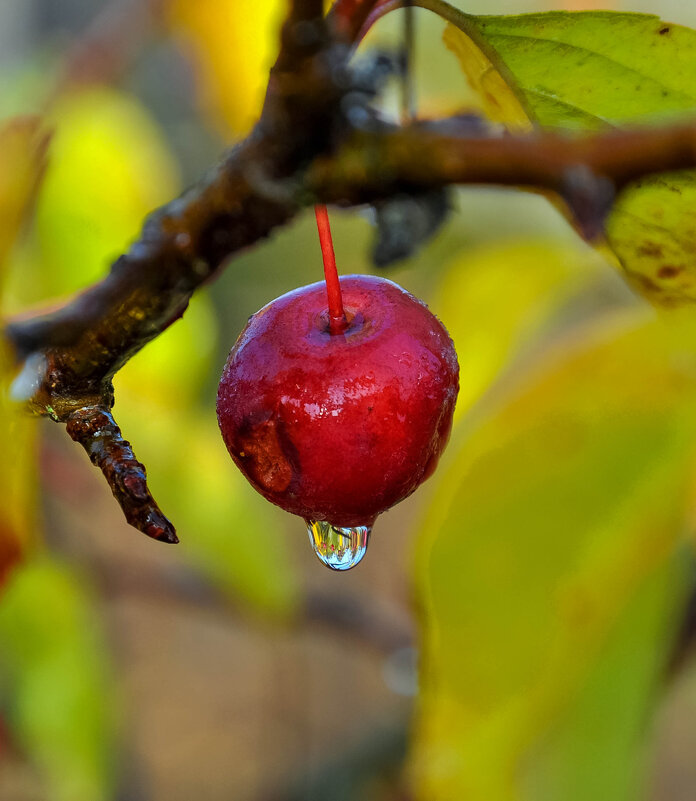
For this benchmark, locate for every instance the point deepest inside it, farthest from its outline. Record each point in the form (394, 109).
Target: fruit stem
(337, 317)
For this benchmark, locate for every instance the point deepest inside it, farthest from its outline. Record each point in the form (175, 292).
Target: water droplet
(338, 548)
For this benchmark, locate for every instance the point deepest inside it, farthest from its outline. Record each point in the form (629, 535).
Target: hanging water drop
(338, 548)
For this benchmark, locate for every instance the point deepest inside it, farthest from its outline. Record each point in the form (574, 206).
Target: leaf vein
(595, 54)
(565, 104)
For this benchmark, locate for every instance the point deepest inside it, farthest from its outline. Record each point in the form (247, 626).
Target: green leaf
(54, 681)
(549, 572)
(623, 685)
(590, 71)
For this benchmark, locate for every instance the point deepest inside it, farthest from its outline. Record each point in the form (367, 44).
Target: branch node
(590, 198)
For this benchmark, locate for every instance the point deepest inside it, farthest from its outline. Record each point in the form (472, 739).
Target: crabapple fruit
(338, 422)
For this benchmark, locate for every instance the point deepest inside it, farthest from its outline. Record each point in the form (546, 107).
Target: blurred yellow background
(509, 634)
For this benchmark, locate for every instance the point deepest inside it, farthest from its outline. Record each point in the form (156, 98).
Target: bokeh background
(235, 666)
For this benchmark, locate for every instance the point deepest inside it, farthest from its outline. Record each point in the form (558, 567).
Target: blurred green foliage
(558, 509)
(551, 565)
(52, 660)
(110, 166)
(55, 681)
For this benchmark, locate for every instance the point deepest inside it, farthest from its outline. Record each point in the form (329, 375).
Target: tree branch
(316, 141)
(378, 164)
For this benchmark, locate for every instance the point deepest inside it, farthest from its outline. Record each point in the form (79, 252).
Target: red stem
(337, 317)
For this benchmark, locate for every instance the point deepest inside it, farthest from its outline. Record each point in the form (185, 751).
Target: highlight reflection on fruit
(337, 411)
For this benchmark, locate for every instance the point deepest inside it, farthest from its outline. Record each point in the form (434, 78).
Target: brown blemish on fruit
(262, 452)
(669, 271)
(664, 30)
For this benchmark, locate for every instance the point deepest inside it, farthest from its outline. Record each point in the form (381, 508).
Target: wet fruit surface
(339, 427)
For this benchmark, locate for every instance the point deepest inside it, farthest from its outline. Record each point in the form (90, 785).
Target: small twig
(94, 428)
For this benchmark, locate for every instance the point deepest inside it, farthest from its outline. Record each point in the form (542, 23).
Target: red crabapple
(338, 415)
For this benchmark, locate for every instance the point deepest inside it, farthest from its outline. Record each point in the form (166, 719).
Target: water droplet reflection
(338, 548)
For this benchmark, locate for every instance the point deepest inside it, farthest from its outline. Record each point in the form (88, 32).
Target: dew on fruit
(338, 548)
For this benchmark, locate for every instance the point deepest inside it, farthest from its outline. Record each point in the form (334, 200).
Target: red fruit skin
(339, 427)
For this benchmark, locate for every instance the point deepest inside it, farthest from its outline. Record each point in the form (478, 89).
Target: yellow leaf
(110, 166)
(23, 143)
(557, 507)
(495, 299)
(498, 100)
(652, 233)
(233, 44)
(22, 152)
